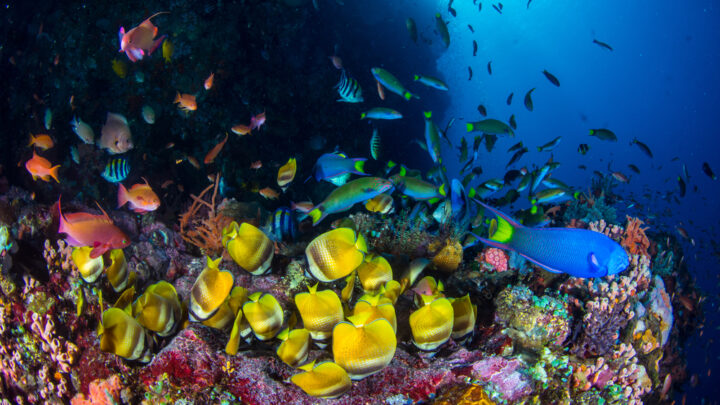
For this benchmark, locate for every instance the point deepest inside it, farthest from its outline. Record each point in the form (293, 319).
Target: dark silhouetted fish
(707, 170)
(552, 78)
(528, 100)
(602, 44)
(508, 101)
(469, 73)
(644, 148)
(481, 109)
(489, 67)
(474, 48)
(471, 28)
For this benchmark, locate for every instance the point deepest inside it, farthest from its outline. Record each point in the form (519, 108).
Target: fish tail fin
(443, 190)
(503, 233)
(539, 148)
(54, 173)
(122, 196)
(469, 126)
(32, 140)
(428, 114)
(360, 166)
(592, 132)
(316, 214)
(409, 95)
(156, 44)
(417, 77)
(362, 115)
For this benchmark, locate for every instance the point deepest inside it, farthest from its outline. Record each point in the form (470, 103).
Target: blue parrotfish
(336, 168)
(577, 252)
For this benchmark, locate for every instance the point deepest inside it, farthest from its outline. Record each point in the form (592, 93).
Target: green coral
(582, 211)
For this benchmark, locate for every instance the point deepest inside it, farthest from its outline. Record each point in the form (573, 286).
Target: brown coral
(449, 257)
(202, 225)
(634, 239)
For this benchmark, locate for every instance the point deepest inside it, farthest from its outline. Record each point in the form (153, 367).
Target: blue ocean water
(658, 85)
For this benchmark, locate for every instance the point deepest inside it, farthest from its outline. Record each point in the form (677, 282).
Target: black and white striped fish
(116, 170)
(349, 89)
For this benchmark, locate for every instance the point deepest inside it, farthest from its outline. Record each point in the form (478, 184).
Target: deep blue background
(659, 84)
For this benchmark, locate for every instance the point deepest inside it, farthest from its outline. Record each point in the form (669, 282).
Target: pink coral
(101, 392)
(496, 258)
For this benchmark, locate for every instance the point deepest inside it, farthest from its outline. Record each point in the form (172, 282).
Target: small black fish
(602, 44)
(511, 176)
(471, 28)
(452, 11)
(477, 170)
(707, 170)
(508, 101)
(470, 73)
(490, 141)
(500, 5)
(528, 100)
(479, 6)
(644, 148)
(499, 10)
(512, 122)
(634, 168)
(474, 48)
(681, 184)
(515, 147)
(552, 78)
(489, 67)
(516, 156)
(583, 148)
(528, 5)
(481, 109)
(582, 167)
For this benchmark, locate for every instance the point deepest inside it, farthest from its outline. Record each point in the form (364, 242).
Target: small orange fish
(41, 141)
(381, 91)
(39, 167)
(256, 164)
(302, 206)
(169, 145)
(682, 232)
(214, 151)
(186, 102)
(193, 161)
(269, 193)
(141, 198)
(240, 129)
(257, 121)
(209, 81)
(166, 184)
(98, 231)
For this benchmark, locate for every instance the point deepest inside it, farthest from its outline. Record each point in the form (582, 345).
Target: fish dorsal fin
(308, 367)
(103, 211)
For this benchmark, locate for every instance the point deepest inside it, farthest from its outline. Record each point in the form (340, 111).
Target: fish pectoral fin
(595, 265)
(541, 265)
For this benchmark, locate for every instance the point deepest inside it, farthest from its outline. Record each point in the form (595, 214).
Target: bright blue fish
(577, 252)
(336, 168)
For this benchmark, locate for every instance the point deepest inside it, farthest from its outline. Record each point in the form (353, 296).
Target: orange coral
(101, 392)
(634, 238)
(201, 225)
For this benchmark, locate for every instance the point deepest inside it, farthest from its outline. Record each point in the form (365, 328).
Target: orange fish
(141, 198)
(269, 193)
(209, 81)
(214, 151)
(141, 39)
(241, 129)
(116, 136)
(256, 165)
(186, 102)
(41, 141)
(39, 167)
(98, 231)
(381, 91)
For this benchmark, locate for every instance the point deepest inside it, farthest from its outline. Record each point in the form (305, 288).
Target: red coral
(101, 392)
(495, 257)
(634, 240)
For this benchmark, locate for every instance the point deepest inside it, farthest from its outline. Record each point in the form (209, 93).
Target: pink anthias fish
(257, 121)
(141, 39)
(140, 197)
(98, 231)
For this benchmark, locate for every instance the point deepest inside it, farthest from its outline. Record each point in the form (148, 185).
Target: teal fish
(550, 145)
(116, 170)
(432, 138)
(433, 82)
(644, 148)
(381, 113)
(490, 142)
(390, 82)
(463, 148)
(517, 156)
(442, 29)
(417, 188)
(349, 89)
(412, 29)
(604, 134)
(550, 195)
(512, 122)
(344, 197)
(490, 126)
